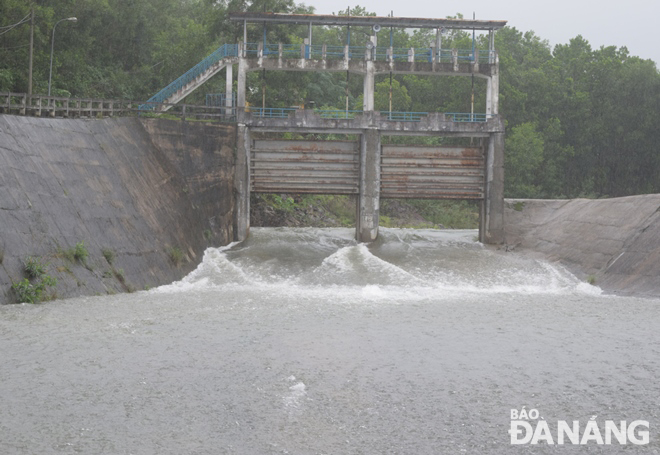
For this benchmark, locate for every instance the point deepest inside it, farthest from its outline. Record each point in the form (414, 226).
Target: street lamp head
(72, 19)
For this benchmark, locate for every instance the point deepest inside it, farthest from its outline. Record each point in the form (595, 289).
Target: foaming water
(406, 264)
(301, 341)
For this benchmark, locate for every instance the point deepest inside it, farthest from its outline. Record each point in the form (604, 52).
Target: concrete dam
(153, 194)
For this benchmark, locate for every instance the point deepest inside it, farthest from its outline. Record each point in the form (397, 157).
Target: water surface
(301, 341)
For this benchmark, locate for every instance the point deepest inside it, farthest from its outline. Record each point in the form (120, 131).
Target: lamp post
(52, 47)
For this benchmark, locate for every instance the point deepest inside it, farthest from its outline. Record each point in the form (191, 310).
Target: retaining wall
(144, 190)
(615, 242)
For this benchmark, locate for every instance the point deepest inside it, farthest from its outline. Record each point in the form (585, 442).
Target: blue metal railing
(403, 116)
(271, 49)
(290, 51)
(466, 117)
(251, 49)
(312, 52)
(270, 112)
(334, 52)
(220, 99)
(226, 50)
(337, 114)
(394, 116)
(315, 52)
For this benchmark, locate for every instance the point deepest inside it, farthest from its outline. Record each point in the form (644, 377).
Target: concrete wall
(140, 189)
(617, 241)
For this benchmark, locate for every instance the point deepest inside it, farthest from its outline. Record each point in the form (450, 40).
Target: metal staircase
(193, 78)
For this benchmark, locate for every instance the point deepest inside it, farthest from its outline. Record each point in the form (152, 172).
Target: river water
(300, 341)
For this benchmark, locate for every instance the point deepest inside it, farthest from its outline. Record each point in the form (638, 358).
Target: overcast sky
(632, 23)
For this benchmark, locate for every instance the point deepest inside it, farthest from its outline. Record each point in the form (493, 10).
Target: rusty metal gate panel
(432, 172)
(321, 167)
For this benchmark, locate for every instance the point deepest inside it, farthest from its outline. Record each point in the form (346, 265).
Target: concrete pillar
(368, 204)
(241, 83)
(491, 224)
(489, 98)
(369, 87)
(229, 89)
(495, 86)
(491, 46)
(242, 184)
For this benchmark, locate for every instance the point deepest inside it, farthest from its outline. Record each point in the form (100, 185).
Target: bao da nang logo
(529, 427)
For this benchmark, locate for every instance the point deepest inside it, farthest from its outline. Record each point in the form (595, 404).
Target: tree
(522, 161)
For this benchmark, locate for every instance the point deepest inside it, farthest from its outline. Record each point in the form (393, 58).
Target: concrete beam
(306, 120)
(369, 21)
(368, 205)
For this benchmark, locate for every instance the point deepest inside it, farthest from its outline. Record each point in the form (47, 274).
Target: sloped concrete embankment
(615, 241)
(145, 196)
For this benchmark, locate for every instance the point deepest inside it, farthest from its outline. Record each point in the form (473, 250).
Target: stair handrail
(226, 50)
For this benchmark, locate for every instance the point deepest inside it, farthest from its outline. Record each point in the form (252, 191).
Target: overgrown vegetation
(80, 252)
(76, 253)
(328, 211)
(33, 267)
(32, 288)
(108, 254)
(175, 254)
(119, 274)
(448, 214)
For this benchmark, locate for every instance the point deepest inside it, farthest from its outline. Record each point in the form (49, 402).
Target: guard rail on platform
(466, 117)
(64, 107)
(394, 116)
(387, 54)
(56, 106)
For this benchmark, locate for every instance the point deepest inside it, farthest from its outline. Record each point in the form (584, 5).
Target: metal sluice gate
(333, 167)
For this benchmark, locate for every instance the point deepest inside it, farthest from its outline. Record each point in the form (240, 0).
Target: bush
(80, 253)
(108, 254)
(119, 274)
(27, 292)
(33, 267)
(176, 255)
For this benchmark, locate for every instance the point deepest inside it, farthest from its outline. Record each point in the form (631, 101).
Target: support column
(489, 98)
(242, 184)
(491, 224)
(368, 204)
(369, 87)
(495, 86)
(241, 84)
(229, 89)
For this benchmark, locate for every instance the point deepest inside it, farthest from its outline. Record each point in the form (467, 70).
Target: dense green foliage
(31, 289)
(580, 121)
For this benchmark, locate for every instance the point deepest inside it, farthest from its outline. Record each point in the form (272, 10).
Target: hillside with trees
(580, 121)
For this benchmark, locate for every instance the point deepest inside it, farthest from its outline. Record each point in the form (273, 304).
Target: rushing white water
(302, 341)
